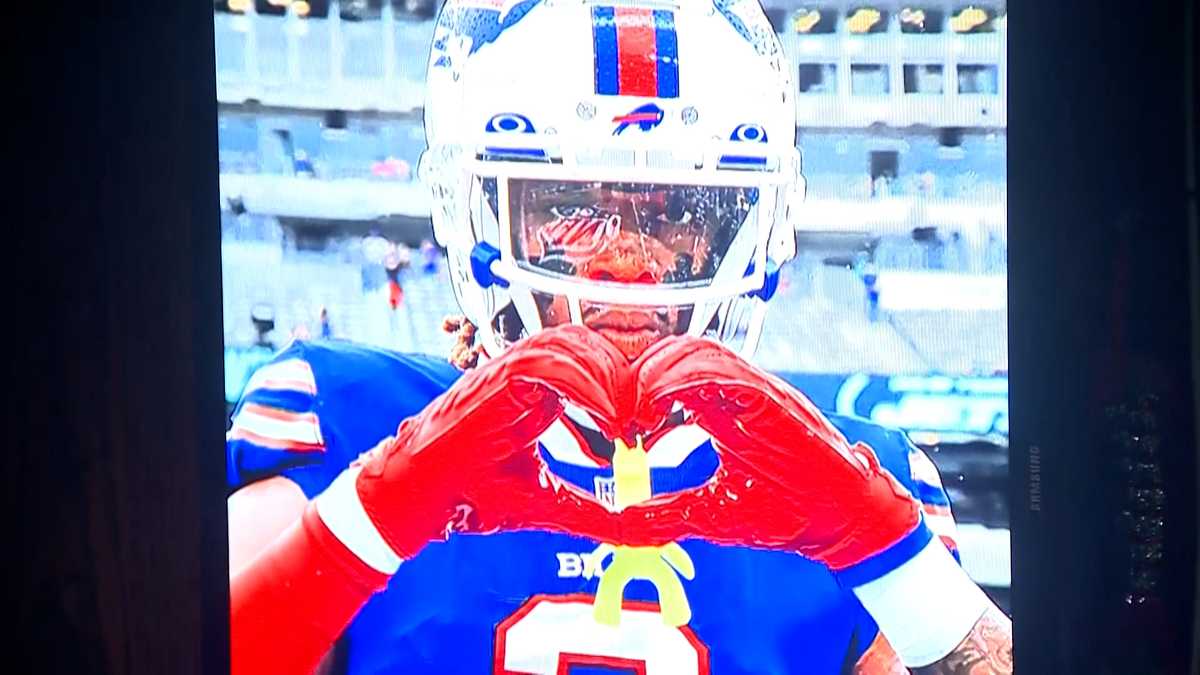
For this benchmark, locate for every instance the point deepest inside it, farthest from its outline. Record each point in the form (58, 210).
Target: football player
(600, 482)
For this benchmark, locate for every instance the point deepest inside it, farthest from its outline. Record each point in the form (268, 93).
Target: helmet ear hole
(507, 323)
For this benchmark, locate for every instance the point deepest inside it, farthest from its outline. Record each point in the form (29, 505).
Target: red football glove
(787, 480)
(466, 463)
(469, 461)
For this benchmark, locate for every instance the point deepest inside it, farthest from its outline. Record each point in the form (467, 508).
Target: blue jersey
(522, 602)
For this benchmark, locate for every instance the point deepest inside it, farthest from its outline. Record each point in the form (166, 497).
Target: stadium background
(894, 309)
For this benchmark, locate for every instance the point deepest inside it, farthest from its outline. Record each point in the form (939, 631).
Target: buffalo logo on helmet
(646, 117)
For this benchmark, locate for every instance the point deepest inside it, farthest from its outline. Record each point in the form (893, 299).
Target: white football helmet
(624, 164)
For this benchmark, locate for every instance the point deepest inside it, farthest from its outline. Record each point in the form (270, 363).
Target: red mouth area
(624, 320)
(632, 331)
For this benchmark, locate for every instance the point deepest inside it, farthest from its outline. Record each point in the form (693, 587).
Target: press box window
(419, 10)
(973, 19)
(270, 9)
(866, 21)
(923, 79)
(777, 17)
(921, 20)
(978, 79)
(815, 20)
(884, 164)
(301, 8)
(817, 78)
(869, 79)
(360, 10)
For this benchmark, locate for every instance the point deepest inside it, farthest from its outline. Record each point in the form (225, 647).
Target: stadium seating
(817, 323)
(298, 283)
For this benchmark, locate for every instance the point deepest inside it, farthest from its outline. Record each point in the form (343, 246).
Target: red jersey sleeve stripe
(273, 443)
(275, 428)
(259, 410)
(935, 510)
(940, 521)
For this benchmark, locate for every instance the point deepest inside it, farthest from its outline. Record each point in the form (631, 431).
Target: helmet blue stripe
(604, 39)
(668, 53)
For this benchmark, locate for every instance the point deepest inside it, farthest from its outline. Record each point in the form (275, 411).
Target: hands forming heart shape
(787, 479)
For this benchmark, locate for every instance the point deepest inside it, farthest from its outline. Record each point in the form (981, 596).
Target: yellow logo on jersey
(660, 565)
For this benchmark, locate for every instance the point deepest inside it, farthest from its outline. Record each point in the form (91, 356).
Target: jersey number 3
(556, 635)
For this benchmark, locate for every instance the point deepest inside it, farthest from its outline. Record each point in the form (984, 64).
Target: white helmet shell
(687, 93)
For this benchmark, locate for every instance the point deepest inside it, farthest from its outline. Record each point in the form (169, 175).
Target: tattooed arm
(879, 659)
(987, 650)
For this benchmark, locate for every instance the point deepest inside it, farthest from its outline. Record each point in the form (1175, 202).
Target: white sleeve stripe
(941, 526)
(923, 469)
(272, 443)
(289, 375)
(280, 414)
(925, 607)
(343, 513)
(302, 428)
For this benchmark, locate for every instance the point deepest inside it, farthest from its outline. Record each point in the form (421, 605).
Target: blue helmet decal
(510, 123)
(753, 133)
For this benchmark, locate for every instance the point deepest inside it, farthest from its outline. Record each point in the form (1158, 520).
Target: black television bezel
(118, 427)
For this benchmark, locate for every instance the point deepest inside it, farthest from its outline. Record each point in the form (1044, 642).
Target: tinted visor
(624, 233)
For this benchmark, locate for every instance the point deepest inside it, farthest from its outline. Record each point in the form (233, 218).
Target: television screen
(615, 337)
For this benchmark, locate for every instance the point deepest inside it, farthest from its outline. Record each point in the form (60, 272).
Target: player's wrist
(341, 509)
(869, 556)
(880, 528)
(925, 607)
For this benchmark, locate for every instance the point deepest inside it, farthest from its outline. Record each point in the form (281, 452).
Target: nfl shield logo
(606, 491)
